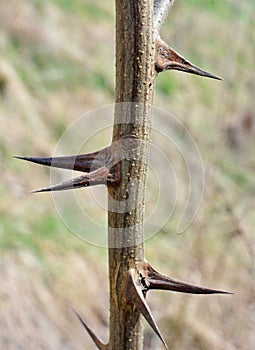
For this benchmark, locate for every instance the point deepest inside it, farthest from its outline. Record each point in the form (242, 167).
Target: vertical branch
(135, 75)
(140, 55)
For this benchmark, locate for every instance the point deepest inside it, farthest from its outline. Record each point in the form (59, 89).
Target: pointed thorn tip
(30, 159)
(40, 190)
(96, 340)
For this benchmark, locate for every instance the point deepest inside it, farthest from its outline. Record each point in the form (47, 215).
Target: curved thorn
(96, 340)
(155, 280)
(135, 295)
(161, 10)
(98, 177)
(168, 59)
(82, 162)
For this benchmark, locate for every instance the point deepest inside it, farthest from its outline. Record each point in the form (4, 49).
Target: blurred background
(57, 63)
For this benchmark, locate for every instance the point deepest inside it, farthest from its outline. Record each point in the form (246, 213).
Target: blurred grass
(56, 63)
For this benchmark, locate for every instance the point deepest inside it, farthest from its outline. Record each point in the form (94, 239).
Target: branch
(161, 10)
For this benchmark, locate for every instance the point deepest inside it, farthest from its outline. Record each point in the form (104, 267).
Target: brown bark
(135, 75)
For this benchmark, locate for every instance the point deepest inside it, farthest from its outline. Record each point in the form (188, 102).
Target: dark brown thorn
(84, 162)
(100, 176)
(96, 340)
(134, 294)
(168, 59)
(155, 280)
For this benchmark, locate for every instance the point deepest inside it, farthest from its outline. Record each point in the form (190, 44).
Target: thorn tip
(96, 340)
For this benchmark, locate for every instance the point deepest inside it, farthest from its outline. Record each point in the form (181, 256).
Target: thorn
(81, 181)
(100, 176)
(82, 162)
(96, 340)
(135, 295)
(155, 280)
(168, 59)
(101, 167)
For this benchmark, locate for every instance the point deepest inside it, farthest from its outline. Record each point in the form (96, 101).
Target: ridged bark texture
(135, 75)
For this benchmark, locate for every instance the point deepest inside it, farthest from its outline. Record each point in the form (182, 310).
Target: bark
(135, 75)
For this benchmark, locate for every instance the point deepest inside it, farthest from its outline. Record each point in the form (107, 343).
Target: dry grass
(57, 62)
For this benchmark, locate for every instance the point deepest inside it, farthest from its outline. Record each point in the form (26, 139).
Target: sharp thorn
(81, 181)
(96, 340)
(135, 295)
(155, 280)
(168, 59)
(98, 177)
(84, 162)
